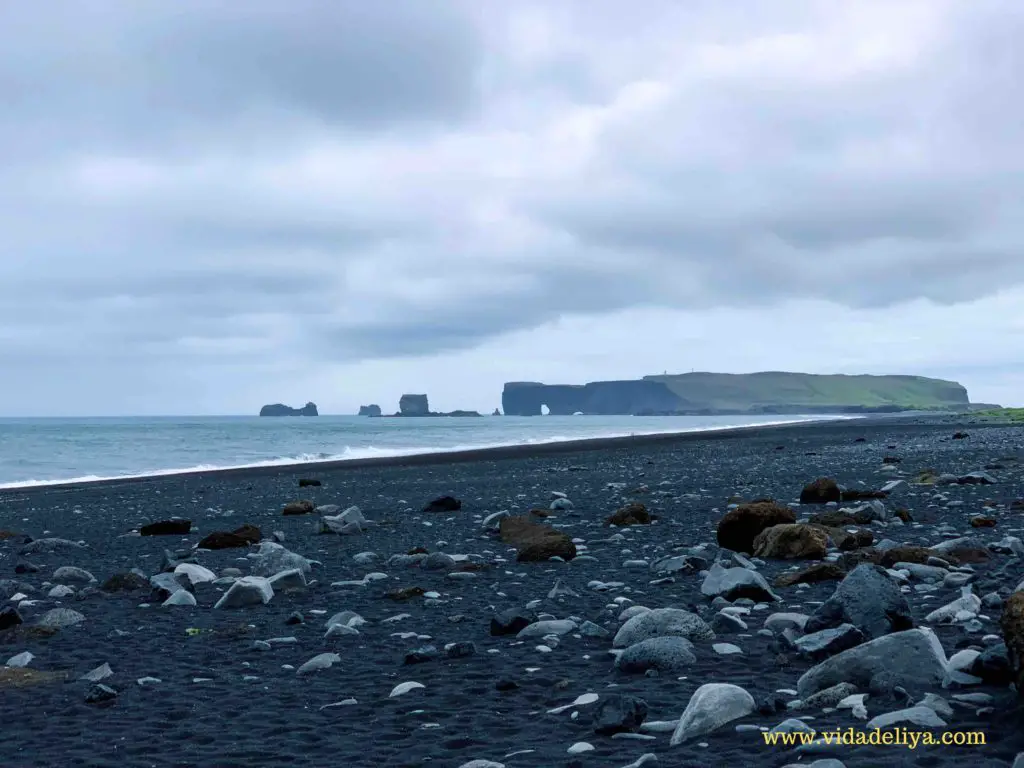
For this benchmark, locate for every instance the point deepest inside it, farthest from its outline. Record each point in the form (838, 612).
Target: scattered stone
(733, 583)
(101, 694)
(248, 590)
(662, 622)
(664, 654)
(811, 575)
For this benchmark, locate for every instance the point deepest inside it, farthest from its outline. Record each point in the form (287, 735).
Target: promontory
(770, 392)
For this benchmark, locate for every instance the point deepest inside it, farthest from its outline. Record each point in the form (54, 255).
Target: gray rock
(182, 598)
(438, 561)
(60, 618)
(69, 574)
(551, 627)
(248, 590)
(318, 663)
(288, 581)
(664, 654)
(273, 558)
(828, 642)
(733, 583)
(711, 706)
(869, 600)
(922, 716)
(619, 713)
(662, 622)
(51, 545)
(913, 659)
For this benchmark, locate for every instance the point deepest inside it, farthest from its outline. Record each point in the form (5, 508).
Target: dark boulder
(301, 507)
(125, 582)
(536, 542)
(618, 713)
(739, 527)
(821, 491)
(167, 528)
(443, 504)
(240, 537)
(512, 621)
(633, 513)
(869, 600)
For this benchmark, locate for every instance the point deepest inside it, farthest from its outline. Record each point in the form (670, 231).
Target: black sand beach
(204, 686)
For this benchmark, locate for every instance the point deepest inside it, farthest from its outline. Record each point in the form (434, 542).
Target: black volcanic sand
(222, 702)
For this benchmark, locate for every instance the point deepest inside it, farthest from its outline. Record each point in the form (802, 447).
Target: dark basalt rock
(821, 491)
(512, 621)
(167, 528)
(279, 409)
(125, 582)
(443, 504)
(370, 410)
(241, 537)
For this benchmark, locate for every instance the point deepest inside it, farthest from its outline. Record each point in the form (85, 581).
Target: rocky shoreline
(634, 602)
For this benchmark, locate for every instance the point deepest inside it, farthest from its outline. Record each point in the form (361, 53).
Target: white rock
(926, 717)
(248, 590)
(193, 574)
(580, 747)
(182, 597)
(319, 662)
(712, 706)
(726, 649)
(23, 659)
(403, 688)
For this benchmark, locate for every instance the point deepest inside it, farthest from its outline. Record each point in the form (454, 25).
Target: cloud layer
(212, 205)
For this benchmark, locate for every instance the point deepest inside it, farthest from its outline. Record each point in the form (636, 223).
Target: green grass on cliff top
(1001, 414)
(724, 390)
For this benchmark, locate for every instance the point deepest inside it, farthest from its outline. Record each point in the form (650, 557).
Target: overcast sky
(208, 205)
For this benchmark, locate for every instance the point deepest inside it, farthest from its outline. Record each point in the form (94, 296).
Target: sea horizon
(50, 450)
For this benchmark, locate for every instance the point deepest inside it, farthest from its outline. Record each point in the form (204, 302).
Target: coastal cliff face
(279, 409)
(414, 405)
(722, 393)
(608, 398)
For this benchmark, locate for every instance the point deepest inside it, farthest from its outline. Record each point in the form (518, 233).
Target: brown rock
(791, 541)
(811, 575)
(904, 515)
(983, 522)
(23, 677)
(821, 491)
(540, 512)
(241, 537)
(963, 555)
(1012, 624)
(301, 507)
(909, 554)
(633, 513)
(418, 551)
(739, 527)
(4, 535)
(535, 541)
(835, 518)
(848, 540)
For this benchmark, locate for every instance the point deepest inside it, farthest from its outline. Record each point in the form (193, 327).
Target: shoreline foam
(419, 456)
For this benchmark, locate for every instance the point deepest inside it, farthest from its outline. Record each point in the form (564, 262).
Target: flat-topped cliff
(727, 393)
(279, 409)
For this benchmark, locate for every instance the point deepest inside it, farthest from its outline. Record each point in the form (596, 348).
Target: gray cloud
(201, 185)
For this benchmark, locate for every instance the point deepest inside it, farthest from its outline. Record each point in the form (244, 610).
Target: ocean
(42, 451)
